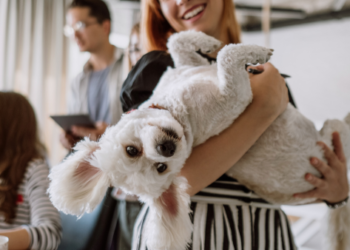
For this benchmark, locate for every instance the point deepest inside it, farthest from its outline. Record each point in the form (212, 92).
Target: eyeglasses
(134, 50)
(69, 30)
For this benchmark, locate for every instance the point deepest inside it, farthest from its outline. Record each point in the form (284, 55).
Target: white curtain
(33, 56)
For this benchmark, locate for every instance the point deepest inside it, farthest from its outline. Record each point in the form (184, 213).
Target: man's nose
(76, 34)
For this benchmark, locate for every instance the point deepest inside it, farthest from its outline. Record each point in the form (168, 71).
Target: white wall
(317, 56)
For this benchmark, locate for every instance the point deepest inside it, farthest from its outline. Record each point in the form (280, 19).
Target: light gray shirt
(78, 91)
(98, 100)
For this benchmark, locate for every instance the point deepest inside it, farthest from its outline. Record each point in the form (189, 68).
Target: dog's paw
(262, 55)
(266, 55)
(193, 41)
(246, 54)
(208, 44)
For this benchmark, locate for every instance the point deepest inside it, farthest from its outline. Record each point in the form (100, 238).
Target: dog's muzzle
(166, 149)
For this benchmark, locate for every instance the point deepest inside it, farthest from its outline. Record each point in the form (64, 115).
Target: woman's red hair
(155, 29)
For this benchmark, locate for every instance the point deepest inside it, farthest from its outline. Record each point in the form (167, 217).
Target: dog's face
(143, 152)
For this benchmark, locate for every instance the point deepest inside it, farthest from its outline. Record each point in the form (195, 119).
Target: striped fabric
(34, 210)
(228, 216)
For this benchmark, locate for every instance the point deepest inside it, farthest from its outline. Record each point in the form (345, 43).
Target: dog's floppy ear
(78, 185)
(169, 225)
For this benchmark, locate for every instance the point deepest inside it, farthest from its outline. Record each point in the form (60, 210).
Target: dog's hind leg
(184, 46)
(234, 81)
(338, 230)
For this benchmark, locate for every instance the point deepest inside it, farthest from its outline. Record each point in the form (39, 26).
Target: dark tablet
(67, 121)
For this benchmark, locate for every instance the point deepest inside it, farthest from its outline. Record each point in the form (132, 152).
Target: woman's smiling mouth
(193, 12)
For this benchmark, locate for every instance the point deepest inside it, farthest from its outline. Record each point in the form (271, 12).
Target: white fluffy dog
(144, 153)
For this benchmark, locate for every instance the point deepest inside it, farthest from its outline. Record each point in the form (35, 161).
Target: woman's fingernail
(314, 161)
(309, 177)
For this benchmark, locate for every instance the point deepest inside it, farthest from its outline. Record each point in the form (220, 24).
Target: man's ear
(78, 185)
(106, 25)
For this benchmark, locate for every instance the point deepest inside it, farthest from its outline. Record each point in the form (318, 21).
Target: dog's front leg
(184, 46)
(233, 79)
(169, 226)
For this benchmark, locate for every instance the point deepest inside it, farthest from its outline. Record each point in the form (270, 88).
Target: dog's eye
(161, 167)
(132, 151)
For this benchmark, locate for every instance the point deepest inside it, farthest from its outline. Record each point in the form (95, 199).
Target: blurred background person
(27, 216)
(134, 48)
(95, 91)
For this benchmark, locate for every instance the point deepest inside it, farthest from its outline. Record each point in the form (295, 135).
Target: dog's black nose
(166, 149)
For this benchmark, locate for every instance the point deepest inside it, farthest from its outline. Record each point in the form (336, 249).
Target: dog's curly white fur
(144, 153)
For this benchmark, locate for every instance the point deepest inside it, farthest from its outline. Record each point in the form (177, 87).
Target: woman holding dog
(247, 222)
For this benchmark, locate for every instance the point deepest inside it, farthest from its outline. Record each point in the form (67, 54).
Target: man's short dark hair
(98, 9)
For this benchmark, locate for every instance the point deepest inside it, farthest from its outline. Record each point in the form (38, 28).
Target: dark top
(144, 77)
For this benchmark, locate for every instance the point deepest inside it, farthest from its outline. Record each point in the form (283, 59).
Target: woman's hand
(269, 89)
(19, 238)
(333, 187)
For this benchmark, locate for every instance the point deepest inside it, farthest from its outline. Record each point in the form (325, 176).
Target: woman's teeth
(194, 12)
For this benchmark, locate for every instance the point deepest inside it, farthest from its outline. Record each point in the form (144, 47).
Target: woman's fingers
(315, 181)
(320, 166)
(330, 156)
(310, 194)
(338, 147)
(333, 186)
(318, 183)
(256, 67)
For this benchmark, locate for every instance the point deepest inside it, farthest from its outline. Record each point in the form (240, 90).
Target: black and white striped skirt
(228, 216)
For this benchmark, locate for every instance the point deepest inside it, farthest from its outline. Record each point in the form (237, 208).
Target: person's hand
(93, 133)
(269, 89)
(68, 140)
(333, 187)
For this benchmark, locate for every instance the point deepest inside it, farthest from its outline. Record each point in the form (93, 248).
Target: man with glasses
(95, 91)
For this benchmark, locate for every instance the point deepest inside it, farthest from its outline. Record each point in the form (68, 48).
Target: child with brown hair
(27, 216)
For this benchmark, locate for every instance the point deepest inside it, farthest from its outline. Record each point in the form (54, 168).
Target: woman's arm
(19, 238)
(212, 159)
(333, 187)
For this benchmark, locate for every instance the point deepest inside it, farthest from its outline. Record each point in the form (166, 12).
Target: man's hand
(68, 140)
(93, 133)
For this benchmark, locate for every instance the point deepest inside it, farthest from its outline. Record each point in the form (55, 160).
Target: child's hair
(155, 29)
(19, 144)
